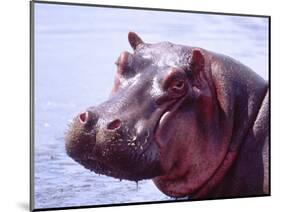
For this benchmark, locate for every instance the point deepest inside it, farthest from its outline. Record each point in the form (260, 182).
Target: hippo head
(160, 121)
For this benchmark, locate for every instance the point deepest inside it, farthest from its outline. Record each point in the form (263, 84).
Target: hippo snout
(112, 145)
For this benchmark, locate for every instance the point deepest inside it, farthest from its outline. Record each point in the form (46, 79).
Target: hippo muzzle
(176, 114)
(110, 143)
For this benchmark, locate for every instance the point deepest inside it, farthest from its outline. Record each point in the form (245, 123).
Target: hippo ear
(197, 61)
(134, 40)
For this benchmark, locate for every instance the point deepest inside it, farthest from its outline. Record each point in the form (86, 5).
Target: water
(75, 51)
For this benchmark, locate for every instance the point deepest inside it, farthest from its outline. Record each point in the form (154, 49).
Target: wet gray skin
(118, 137)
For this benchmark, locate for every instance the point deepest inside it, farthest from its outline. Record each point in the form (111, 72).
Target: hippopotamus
(194, 121)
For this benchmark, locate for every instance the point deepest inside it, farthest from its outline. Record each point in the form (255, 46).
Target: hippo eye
(177, 86)
(175, 81)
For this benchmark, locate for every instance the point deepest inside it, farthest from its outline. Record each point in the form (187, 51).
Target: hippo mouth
(133, 165)
(100, 167)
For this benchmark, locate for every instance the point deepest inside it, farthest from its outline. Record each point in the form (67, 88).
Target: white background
(14, 105)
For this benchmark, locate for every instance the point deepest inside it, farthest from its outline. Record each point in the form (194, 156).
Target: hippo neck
(240, 93)
(248, 176)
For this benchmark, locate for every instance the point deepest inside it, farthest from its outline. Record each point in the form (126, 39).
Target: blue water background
(75, 51)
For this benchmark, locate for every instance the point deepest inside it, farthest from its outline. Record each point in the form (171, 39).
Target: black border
(31, 90)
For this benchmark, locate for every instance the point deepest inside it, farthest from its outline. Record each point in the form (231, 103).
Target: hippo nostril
(89, 117)
(114, 124)
(83, 117)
